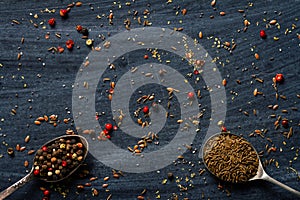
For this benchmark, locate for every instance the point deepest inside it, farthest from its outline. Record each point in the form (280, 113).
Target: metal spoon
(212, 142)
(30, 176)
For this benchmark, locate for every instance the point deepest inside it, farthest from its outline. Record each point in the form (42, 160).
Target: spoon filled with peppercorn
(233, 159)
(54, 161)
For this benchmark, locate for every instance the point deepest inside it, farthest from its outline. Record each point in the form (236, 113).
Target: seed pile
(231, 158)
(57, 159)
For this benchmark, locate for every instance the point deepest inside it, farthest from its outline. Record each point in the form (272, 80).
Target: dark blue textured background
(52, 93)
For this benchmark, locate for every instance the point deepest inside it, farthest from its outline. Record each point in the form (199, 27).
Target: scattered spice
(213, 3)
(63, 12)
(70, 44)
(222, 13)
(279, 78)
(200, 35)
(285, 122)
(191, 95)
(79, 28)
(10, 151)
(263, 34)
(273, 22)
(52, 22)
(89, 42)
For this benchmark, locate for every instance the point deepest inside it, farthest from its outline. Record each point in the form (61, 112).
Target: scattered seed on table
(87, 184)
(259, 80)
(80, 187)
(224, 82)
(78, 4)
(273, 22)
(140, 197)
(10, 151)
(200, 35)
(26, 163)
(18, 147)
(275, 107)
(222, 13)
(283, 97)
(95, 192)
(15, 21)
(22, 148)
(213, 3)
(93, 178)
(30, 152)
(27, 139)
(246, 113)
(246, 22)
(255, 92)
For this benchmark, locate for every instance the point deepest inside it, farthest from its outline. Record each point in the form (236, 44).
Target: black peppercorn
(49, 156)
(79, 152)
(39, 152)
(84, 32)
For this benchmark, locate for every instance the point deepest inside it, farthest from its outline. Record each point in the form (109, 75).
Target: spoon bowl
(45, 177)
(232, 158)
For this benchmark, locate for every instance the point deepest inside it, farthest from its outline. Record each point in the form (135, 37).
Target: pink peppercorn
(262, 34)
(51, 22)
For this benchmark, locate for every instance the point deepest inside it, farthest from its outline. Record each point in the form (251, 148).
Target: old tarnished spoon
(30, 176)
(225, 155)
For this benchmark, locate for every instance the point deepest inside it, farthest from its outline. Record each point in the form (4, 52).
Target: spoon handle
(272, 180)
(8, 191)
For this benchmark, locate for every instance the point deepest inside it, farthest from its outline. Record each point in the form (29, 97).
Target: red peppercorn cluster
(108, 129)
(56, 160)
(70, 44)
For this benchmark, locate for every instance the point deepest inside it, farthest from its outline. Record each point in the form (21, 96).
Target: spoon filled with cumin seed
(54, 161)
(233, 159)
